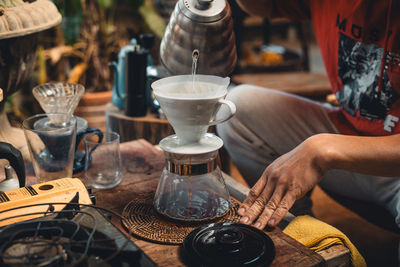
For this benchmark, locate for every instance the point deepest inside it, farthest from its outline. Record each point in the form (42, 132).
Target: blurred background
(93, 32)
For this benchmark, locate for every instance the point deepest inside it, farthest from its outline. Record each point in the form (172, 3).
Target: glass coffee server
(191, 187)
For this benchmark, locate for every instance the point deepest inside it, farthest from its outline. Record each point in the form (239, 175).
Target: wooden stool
(312, 85)
(148, 127)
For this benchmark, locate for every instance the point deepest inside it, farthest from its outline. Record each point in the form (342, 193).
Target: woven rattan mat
(144, 222)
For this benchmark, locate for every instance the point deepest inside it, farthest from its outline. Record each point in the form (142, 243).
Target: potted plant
(91, 35)
(22, 23)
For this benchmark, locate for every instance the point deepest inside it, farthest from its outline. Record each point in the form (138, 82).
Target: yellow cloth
(318, 235)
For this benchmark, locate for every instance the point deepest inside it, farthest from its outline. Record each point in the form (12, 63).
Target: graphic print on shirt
(359, 68)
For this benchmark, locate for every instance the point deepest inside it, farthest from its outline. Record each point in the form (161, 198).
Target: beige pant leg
(268, 124)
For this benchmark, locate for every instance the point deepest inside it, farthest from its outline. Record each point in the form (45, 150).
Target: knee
(239, 95)
(246, 98)
(253, 101)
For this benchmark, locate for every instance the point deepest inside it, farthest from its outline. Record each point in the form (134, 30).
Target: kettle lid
(229, 244)
(203, 10)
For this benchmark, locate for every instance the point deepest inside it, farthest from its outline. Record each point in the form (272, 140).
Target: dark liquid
(57, 153)
(58, 142)
(204, 205)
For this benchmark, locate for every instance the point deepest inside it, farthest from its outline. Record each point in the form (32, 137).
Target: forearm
(262, 8)
(295, 173)
(368, 155)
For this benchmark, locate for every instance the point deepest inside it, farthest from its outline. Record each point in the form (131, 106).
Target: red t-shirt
(360, 45)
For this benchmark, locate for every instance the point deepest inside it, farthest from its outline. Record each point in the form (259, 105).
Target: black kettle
(14, 156)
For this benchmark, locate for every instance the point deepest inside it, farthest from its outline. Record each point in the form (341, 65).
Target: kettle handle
(116, 79)
(14, 156)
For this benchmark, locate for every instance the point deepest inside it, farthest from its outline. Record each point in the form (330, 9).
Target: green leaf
(152, 19)
(106, 3)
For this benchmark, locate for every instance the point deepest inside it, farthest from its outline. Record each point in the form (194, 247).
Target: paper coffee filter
(190, 90)
(183, 86)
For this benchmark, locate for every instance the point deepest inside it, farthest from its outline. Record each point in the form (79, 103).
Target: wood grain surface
(143, 164)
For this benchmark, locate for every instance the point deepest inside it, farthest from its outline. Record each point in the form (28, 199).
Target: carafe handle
(80, 159)
(14, 156)
(232, 111)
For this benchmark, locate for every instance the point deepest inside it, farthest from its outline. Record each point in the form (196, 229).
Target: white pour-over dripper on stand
(191, 105)
(191, 187)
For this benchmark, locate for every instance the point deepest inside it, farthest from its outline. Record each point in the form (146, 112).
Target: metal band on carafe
(191, 169)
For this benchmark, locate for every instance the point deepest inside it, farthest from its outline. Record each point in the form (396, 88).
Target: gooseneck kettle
(205, 25)
(14, 156)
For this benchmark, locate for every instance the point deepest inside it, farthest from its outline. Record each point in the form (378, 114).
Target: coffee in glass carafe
(191, 187)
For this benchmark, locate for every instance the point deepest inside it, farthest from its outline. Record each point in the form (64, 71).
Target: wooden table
(143, 164)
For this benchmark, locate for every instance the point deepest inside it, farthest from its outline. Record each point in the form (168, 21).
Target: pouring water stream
(195, 57)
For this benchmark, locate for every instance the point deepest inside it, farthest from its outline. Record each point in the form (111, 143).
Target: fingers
(254, 210)
(254, 193)
(265, 205)
(269, 206)
(274, 213)
(255, 207)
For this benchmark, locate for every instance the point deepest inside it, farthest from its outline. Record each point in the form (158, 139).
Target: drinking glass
(51, 142)
(103, 168)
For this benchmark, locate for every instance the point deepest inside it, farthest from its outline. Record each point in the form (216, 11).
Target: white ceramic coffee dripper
(191, 106)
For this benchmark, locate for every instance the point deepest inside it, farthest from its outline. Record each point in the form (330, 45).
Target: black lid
(229, 244)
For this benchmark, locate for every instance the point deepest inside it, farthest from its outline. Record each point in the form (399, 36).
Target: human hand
(284, 181)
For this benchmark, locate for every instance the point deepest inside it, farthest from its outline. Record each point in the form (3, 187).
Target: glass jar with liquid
(191, 187)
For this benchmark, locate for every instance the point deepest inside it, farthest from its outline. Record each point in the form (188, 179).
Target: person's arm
(293, 174)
